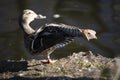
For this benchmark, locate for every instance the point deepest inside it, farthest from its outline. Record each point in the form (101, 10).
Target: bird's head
(29, 16)
(89, 34)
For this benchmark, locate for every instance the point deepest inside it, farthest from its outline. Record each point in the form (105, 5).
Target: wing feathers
(71, 30)
(57, 35)
(64, 43)
(37, 43)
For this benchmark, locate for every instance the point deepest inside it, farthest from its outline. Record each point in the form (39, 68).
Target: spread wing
(57, 35)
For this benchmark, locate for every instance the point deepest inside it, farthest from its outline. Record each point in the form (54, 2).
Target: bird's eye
(88, 33)
(29, 12)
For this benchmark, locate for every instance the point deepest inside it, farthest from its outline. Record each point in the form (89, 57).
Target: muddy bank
(79, 66)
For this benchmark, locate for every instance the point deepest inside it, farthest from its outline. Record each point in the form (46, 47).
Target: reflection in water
(102, 16)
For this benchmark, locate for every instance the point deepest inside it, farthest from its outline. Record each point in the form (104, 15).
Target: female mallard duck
(49, 36)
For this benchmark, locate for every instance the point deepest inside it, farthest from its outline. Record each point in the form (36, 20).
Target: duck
(48, 37)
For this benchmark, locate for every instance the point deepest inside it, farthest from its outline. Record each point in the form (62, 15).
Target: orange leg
(48, 60)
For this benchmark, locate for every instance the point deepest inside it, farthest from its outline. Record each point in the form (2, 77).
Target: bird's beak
(40, 17)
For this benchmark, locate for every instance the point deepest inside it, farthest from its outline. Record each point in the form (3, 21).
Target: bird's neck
(27, 28)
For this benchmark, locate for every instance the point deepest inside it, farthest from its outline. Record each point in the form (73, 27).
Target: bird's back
(50, 36)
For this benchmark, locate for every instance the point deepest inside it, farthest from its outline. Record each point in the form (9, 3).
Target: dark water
(100, 15)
